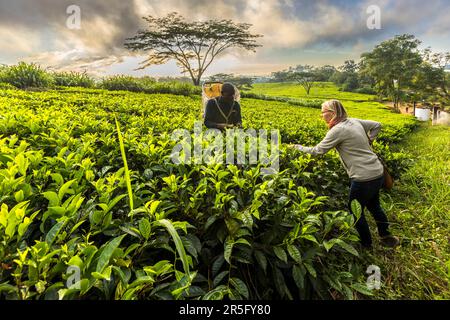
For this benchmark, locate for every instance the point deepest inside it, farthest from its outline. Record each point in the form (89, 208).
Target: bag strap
(370, 146)
(221, 111)
(383, 163)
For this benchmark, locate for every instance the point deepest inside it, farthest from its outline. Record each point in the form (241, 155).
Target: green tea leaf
(57, 178)
(23, 226)
(152, 206)
(294, 253)
(262, 260)
(299, 276)
(145, 228)
(219, 278)
(131, 248)
(52, 197)
(228, 248)
(329, 244)
(4, 215)
(240, 286)
(54, 231)
(56, 211)
(217, 293)
(349, 248)
(280, 283)
(217, 264)
(310, 269)
(65, 189)
(107, 252)
(114, 201)
(348, 292)
(105, 275)
(210, 221)
(280, 253)
(356, 209)
(19, 196)
(178, 243)
(76, 261)
(75, 227)
(309, 237)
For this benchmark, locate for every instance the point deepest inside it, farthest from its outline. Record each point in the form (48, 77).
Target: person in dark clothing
(367, 194)
(223, 112)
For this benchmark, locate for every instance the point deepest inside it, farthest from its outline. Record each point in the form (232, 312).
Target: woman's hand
(296, 146)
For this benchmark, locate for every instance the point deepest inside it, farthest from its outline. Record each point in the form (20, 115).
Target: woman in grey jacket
(352, 139)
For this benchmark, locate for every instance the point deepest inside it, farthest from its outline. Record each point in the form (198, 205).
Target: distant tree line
(396, 69)
(347, 77)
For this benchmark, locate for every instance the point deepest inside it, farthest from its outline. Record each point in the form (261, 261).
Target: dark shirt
(213, 116)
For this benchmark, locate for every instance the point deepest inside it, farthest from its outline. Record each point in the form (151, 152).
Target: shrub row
(30, 75)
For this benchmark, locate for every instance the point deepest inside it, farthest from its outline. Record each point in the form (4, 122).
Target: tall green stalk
(125, 165)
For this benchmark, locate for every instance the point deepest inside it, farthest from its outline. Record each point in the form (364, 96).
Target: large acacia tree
(305, 76)
(194, 45)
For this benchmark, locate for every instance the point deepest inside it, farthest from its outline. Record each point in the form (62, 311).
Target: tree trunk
(195, 81)
(395, 101)
(199, 78)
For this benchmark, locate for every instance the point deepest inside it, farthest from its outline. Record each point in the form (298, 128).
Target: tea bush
(93, 208)
(313, 103)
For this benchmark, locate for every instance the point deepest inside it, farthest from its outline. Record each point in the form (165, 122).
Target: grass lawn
(419, 209)
(322, 90)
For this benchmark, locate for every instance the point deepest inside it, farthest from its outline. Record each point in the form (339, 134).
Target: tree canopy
(305, 76)
(194, 45)
(403, 72)
(241, 82)
(393, 64)
(432, 83)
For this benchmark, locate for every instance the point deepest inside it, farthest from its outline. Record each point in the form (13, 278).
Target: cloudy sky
(295, 32)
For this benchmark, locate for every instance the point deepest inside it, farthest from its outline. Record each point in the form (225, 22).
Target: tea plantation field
(94, 209)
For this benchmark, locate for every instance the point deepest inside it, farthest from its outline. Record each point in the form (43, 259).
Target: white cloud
(287, 34)
(18, 41)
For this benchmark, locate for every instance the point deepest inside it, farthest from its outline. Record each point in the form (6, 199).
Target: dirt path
(404, 109)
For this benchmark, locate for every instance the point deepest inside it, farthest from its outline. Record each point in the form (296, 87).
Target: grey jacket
(351, 139)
